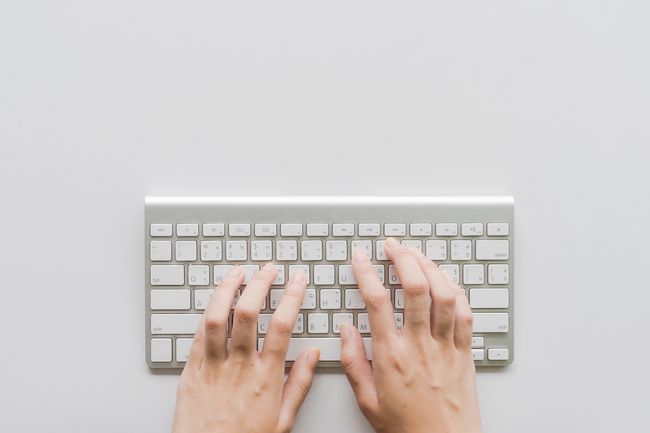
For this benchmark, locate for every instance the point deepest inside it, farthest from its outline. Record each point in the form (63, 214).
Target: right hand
(422, 380)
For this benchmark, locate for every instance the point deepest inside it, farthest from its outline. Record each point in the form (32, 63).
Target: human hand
(238, 389)
(422, 380)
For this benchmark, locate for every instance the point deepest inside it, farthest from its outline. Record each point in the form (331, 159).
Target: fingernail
(419, 254)
(392, 242)
(268, 267)
(236, 271)
(360, 256)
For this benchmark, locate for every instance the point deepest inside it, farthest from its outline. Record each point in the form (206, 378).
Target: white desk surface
(102, 103)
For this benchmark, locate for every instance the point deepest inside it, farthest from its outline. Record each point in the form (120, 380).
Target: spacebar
(330, 348)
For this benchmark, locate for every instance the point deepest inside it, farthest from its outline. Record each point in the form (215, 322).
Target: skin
(421, 380)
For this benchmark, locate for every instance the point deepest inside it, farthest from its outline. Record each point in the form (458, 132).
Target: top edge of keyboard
(315, 200)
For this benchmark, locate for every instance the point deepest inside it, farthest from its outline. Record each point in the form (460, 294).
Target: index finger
(376, 297)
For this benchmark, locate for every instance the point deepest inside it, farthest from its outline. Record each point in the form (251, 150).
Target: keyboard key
(420, 229)
(219, 272)
(167, 275)
(498, 354)
(286, 250)
(354, 300)
(473, 274)
(211, 251)
(291, 230)
(363, 323)
(338, 319)
(488, 298)
(293, 269)
(346, 275)
(330, 347)
(498, 229)
(262, 230)
(317, 229)
(185, 251)
(490, 323)
(213, 229)
(436, 250)
(478, 342)
(174, 323)
(498, 274)
(380, 252)
(399, 299)
(318, 323)
(308, 302)
(198, 275)
(160, 251)
(368, 229)
(323, 275)
(336, 250)
(394, 229)
(330, 299)
(160, 230)
(343, 229)
(189, 230)
(478, 354)
(275, 295)
(393, 277)
(263, 323)
(452, 270)
(446, 229)
(279, 275)
(201, 298)
(261, 250)
(471, 229)
(311, 251)
(241, 230)
(168, 299)
(161, 350)
(492, 249)
(365, 246)
(183, 346)
(236, 251)
(249, 272)
(399, 320)
(461, 250)
(413, 243)
(298, 328)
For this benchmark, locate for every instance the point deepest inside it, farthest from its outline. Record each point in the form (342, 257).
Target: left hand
(239, 389)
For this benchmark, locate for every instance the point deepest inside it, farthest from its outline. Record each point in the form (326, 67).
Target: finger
(358, 370)
(376, 297)
(247, 310)
(443, 303)
(278, 336)
(197, 350)
(296, 388)
(417, 300)
(215, 317)
(463, 319)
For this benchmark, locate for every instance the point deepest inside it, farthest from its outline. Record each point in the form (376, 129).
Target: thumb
(296, 388)
(358, 370)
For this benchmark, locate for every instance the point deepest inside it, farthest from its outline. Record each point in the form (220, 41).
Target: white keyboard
(192, 242)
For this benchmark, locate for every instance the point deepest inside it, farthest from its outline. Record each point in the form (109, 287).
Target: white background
(102, 103)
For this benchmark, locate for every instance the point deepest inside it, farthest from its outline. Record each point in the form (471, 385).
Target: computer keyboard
(192, 242)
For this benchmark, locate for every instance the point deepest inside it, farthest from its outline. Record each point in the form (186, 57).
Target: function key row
(338, 229)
